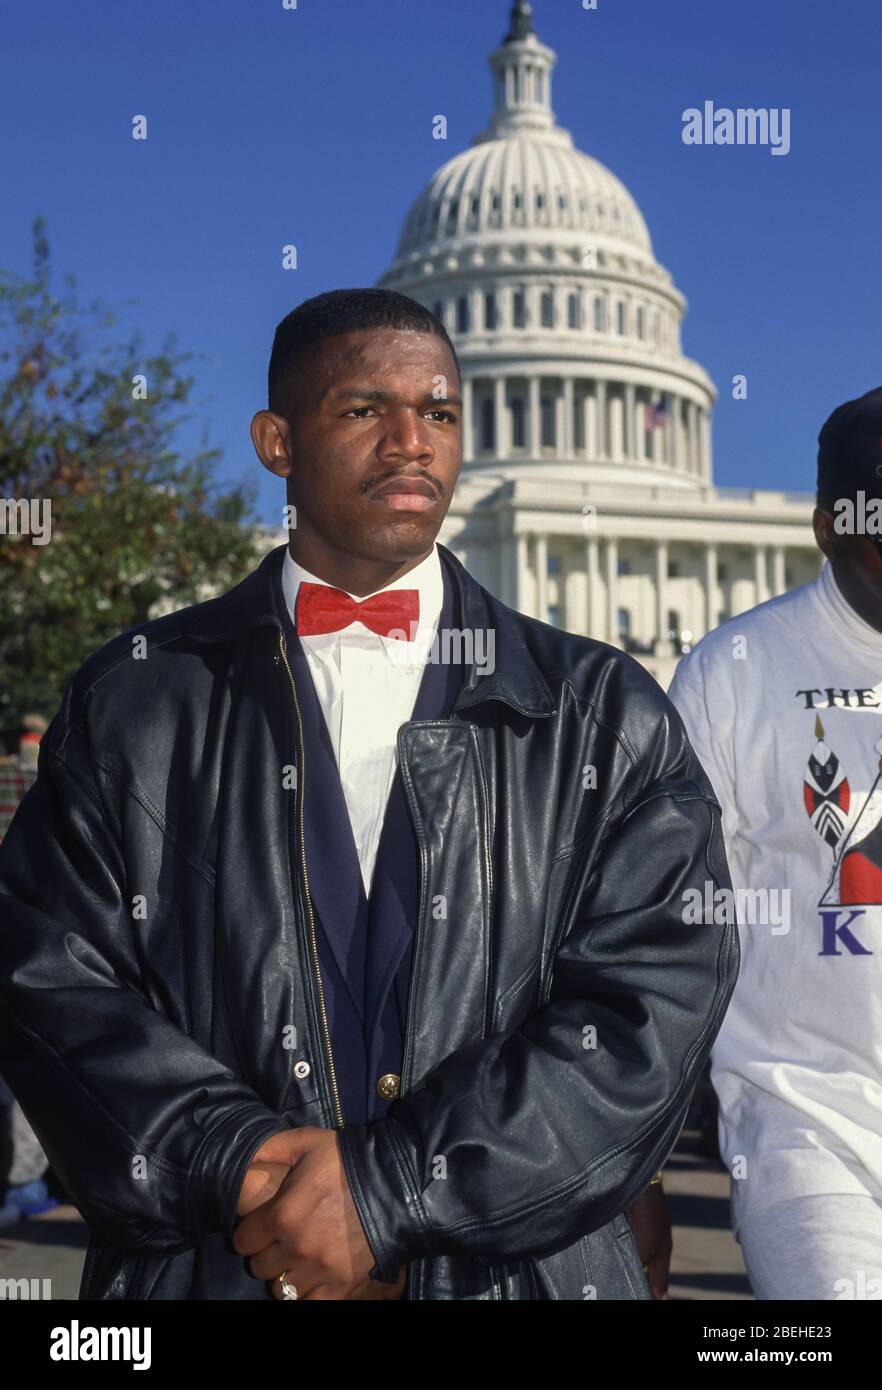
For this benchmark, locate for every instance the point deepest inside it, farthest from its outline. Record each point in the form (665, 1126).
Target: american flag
(656, 415)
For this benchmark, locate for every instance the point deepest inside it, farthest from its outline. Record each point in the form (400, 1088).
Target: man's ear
(271, 437)
(822, 522)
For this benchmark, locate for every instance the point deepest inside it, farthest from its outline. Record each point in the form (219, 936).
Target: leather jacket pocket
(614, 1262)
(604, 1265)
(629, 1255)
(563, 1275)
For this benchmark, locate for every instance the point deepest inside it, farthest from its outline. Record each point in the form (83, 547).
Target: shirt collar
(516, 679)
(426, 577)
(843, 615)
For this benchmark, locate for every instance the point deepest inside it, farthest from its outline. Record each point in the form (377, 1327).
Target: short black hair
(332, 314)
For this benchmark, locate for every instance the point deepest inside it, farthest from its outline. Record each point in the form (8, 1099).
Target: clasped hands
(297, 1216)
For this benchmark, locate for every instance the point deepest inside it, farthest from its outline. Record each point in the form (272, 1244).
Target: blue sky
(313, 126)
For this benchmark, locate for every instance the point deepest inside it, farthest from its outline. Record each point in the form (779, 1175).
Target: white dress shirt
(367, 687)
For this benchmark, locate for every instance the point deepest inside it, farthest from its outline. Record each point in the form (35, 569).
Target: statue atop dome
(520, 25)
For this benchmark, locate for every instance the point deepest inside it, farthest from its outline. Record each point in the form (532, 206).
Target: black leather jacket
(155, 947)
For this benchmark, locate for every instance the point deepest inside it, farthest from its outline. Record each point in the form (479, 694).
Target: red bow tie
(321, 608)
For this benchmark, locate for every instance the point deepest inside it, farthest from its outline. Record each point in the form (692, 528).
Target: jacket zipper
(405, 1059)
(326, 1032)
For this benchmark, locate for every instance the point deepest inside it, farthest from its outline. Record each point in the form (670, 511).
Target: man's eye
(448, 415)
(359, 409)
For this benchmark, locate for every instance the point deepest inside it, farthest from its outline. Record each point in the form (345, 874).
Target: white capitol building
(575, 503)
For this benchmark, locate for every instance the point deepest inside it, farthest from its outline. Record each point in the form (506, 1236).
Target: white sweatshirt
(783, 706)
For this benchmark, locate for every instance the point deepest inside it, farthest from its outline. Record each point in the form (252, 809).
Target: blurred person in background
(23, 1165)
(17, 771)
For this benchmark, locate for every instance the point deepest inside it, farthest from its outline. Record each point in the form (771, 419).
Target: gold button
(388, 1086)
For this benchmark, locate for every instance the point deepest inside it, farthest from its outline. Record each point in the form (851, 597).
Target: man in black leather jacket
(155, 923)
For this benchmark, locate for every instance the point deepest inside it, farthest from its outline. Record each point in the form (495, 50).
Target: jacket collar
(516, 678)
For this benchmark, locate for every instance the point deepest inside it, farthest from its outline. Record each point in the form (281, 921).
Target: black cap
(850, 449)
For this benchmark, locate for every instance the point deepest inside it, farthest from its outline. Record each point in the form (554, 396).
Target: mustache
(368, 484)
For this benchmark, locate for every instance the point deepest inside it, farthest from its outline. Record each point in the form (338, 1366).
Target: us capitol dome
(586, 496)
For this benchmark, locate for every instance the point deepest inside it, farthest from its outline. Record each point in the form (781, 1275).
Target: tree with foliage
(136, 529)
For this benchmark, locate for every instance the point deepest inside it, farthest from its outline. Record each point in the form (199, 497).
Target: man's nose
(407, 434)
